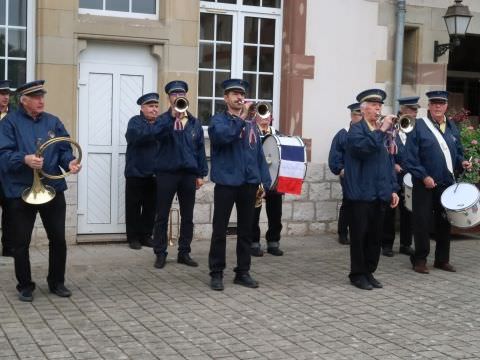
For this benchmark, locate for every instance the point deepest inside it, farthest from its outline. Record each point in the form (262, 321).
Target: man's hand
(467, 165)
(387, 123)
(74, 166)
(395, 200)
(398, 169)
(199, 183)
(33, 161)
(429, 182)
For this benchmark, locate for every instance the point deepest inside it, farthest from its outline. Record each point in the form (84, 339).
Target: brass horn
(181, 104)
(263, 110)
(404, 123)
(259, 196)
(39, 193)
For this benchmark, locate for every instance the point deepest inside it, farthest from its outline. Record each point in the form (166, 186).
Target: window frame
(122, 14)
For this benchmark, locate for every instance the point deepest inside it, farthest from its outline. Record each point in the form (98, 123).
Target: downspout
(397, 82)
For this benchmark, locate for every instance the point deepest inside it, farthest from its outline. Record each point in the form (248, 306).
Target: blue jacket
(142, 147)
(424, 157)
(19, 136)
(369, 172)
(234, 160)
(180, 150)
(400, 159)
(336, 155)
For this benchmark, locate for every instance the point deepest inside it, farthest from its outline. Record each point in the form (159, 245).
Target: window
(238, 41)
(410, 55)
(16, 42)
(146, 9)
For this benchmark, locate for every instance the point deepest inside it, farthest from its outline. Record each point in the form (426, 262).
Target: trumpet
(261, 108)
(181, 104)
(404, 123)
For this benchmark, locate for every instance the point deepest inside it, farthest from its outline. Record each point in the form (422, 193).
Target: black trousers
(427, 208)
(5, 241)
(20, 221)
(223, 199)
(366, 229)
(273, 202)
(406, 228)
(343, 219)
(184, 185)
(140, 196)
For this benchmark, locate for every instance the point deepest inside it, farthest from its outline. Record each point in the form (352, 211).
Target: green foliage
(470, 137)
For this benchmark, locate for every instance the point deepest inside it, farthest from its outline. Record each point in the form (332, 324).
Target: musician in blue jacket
(238, 168)
(180, 168)
(4, 110)
(140, 184)
(370, 186)
(21, 132)
(434, 155)
(408, 106)
(336, 164)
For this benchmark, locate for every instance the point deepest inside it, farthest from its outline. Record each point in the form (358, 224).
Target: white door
(111, 78)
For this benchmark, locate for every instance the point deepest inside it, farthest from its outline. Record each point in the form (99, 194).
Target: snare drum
(462, 204)
(287, 162)
(407, 191)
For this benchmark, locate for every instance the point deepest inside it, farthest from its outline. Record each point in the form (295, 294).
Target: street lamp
(457, 19)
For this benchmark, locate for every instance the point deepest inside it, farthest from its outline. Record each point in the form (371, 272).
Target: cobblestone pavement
(305, 308)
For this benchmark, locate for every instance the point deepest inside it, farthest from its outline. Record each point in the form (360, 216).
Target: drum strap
(441, 142)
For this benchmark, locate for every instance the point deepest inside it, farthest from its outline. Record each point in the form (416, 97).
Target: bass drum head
(271, 150)
(463, 197)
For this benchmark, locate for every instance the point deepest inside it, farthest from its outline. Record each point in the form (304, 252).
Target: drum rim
(465, 208)
(275, 136)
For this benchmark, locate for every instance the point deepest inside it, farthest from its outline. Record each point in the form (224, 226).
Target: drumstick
(463, 172)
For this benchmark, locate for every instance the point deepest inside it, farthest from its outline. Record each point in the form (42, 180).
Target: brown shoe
(444, 266)
(421, 267)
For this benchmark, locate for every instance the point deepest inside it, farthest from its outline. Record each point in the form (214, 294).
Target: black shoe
(275, 251)
(216, 283)
(407, 250)
(343, 239)
(25, 295)
(245, 280)
(387, 252)
(374, 282)
(148, 242)
(187, 260)
(135, 245)
(256, 251)
(361, 282)
(60, 290)
(160, 262)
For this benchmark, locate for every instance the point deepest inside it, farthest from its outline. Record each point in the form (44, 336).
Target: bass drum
(287, 162)
(407, 191)
(462, 205)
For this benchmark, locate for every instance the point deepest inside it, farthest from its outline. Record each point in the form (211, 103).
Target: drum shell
(408, 191)
(468, 216)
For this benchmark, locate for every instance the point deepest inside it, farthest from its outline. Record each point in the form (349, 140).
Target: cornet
(262, 109)
(181, 104)
(404, 123)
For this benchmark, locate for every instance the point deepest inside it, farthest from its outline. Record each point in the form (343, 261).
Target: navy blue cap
(32, 88)
(410, 101)
(4, 85)
(176, 86)
(372, 95)
(148, 98)
(235, 84)
(354, 107)
(437, 95)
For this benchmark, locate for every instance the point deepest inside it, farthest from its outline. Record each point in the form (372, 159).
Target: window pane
(266, 59)
(267, 31)
(271, 3)
(265, 88)
(2, 70)
(224, 27)
(227, 1)
(144, 6)
(252, 80)
(204, 111)
(219, 106)
(17, 72)
(2, 42)
(206, 26)
(251, 30)
(3, 11)
(91, 4)
(224, 57)
(116, 5)
(206, 56)
(219, 78)
(205, 83)
(17, 12)
(250, 58)
(17, 43)
(251, 2)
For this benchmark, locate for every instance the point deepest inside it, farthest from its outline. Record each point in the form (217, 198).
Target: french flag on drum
(292, 170)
